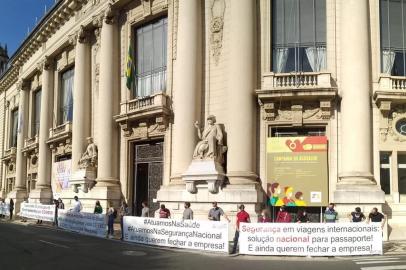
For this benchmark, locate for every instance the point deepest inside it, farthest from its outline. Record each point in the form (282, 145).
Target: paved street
(35, 247)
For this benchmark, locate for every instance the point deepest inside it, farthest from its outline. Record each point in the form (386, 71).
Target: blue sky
(16, 17)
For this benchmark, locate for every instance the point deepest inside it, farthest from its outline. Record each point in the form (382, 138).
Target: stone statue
(89, 157)
(210, 145)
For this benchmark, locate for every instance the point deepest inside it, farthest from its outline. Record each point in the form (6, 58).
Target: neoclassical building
(102, 98)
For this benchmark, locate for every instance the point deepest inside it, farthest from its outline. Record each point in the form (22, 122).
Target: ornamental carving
(211, 145)
(296, 113)
(89, 157)
(216, 28)
(146, 129)
(45, 64)
(394, 125)
(147, 7)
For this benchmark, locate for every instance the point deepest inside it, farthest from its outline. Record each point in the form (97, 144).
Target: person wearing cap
(77, 205)
(357, 215)
(244, 217)
(216, 212)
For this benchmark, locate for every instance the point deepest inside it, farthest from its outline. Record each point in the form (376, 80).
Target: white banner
(61, 173)
(44, 212)
(4, 209)
(84, 223)
(311, 239)
(189, 234)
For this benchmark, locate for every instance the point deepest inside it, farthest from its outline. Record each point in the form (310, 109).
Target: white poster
(60, 177)
(4, 209)
(312, 239)
(44, 212)
(189, 234)
(82, 222)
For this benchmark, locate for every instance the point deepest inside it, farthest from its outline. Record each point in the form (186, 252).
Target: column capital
(45, 64)
(80, 36)
(22, 84)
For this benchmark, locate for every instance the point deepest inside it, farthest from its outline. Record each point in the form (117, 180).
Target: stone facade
(218, 62)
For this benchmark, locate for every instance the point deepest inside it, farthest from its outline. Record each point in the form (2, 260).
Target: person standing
(111, 215)
(124, 211)
(330, 215)
(164, 212)
(187, 213)
(11, 208)
(2, 208)
(77, 205)
(302, 216)
(283, 216)
(376, 216)
(244, 217)
(216, 212)
(357, 215)
(61, 205)
(98, 209)
(145, 210)
(264, 217)
(56, 203)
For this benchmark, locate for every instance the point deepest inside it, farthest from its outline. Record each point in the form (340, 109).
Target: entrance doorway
(148, 168)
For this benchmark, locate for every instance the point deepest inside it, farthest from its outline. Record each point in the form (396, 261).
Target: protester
(244, 217)
(77, 205)
(23, 219)
(164, 212)
(283, 216)
(145, 210)
(302, 216)
(375, 216)
(124, 211)
(111, 215)
(56, 203)
(98, 209)
(11, 208)
(216, 212)
(264, 217)
(187, 213)
(357, 215)
(61, 205)
(330, 215)
(2, 207)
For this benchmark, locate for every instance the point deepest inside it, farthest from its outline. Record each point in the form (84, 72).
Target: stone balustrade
(60, 130)
(277, 81)
(392, 83)
(144, 103)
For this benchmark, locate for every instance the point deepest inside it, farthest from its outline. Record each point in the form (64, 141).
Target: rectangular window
(14, 128)
(66, 97)
(393, 37)
(402, 173)
(36, 112)
(299, 35)
(150, 58)
(385, 168)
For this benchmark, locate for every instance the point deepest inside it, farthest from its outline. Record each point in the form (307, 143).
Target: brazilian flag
(129, 73)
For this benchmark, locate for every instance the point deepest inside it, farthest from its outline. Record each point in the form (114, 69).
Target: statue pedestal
(203, 171)
(83, 179)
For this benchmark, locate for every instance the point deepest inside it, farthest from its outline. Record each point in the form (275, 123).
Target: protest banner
(311, 239)
(188, 234)
(61, 173)
(81, 222)
(5, 209)
(44, 212)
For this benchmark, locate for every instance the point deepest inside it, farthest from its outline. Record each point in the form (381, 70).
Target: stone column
(43, 192)
(19, 192)
(81, 98)
(187, 85)
(107, 171)
(241, 130)
(356, 175)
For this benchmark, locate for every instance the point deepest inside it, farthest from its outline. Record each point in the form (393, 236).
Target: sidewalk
(394, 248)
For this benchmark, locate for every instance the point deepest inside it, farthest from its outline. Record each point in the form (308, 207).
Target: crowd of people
(330, 215)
